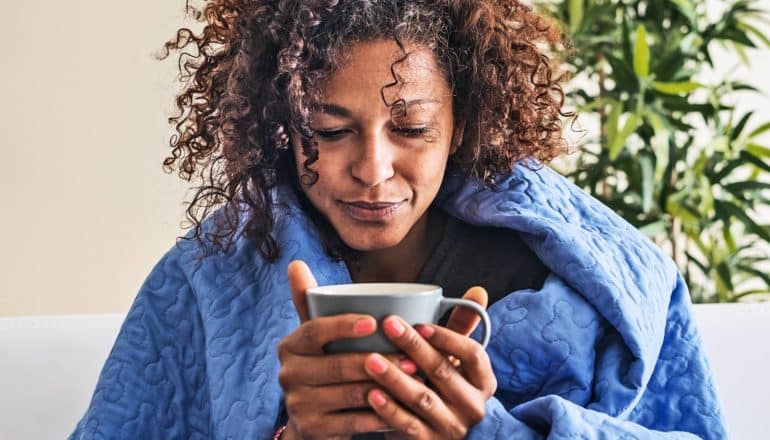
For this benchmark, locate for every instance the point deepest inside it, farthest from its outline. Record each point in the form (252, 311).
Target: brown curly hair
(254, 73)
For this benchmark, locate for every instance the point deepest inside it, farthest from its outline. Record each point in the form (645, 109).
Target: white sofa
(49, 365)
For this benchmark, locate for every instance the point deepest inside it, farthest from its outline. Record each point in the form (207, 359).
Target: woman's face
(378, 174)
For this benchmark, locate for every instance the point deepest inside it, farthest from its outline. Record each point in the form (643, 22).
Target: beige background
(86, 209)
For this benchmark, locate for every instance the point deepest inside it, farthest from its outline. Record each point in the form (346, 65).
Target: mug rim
(398, 289)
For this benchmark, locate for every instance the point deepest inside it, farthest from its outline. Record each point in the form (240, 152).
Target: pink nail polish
(364, 326)
(393, 327)
(407, 366)
(426, 331)
(377, 364)
(377, 398)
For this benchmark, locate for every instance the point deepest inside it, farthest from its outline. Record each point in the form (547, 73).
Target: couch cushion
(50, 365)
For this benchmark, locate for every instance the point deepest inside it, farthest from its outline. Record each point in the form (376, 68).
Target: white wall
(86, 209)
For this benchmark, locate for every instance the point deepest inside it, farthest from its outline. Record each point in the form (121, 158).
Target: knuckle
(283, 348)
(294, 406)
(442, 370)
(355, 425)
(456, 430)
(478, 356)
(492, 386)
(411, 341)
(476, 414)
(356, 398)
(284, 377)
(308, 334)
(426, 400)
(412, 428)
(314, 427)
(336, 371)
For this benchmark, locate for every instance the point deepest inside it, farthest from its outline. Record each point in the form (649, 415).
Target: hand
(318, 387)
(455, 399)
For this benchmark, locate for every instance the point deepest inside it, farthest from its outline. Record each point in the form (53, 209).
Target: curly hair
(255, 71)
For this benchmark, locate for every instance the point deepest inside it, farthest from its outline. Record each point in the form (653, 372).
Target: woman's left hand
(456, 398)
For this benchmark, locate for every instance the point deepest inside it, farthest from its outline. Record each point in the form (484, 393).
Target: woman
(388, 140)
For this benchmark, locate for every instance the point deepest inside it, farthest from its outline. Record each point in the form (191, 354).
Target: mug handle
(448, 303)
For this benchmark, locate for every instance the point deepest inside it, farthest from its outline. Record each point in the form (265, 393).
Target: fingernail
(377, 398)
(364, 326)
(426, 331)
(376, 364)
(407, 366)
(393, 327)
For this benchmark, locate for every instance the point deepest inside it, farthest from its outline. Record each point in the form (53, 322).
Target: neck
(403, 262)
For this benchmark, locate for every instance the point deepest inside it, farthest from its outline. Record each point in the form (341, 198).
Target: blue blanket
(606, 349)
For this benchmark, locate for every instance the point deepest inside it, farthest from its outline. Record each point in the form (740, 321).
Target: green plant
(673, 155)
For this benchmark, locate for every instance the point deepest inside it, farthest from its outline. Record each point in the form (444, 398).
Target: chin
(367, 244)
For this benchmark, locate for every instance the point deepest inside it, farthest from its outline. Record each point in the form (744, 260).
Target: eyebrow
(338, 110)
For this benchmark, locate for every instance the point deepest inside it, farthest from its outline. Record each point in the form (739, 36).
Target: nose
(373, 163)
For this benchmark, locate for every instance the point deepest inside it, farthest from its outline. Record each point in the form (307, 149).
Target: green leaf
(754, 160)
(755, 32)
(737, 85)
(687, 214)
(641, 53)
(740, 126)
(648, 181)
(736, 35)
(749, 185)
(676, 88)
(707, 196)
(625, 32)
(616, 147)
(611, 124)
(723, 271)
(729, 240)
(735, 211)
(741, 51)
(654, 228)
(687, 9)
(576, 10)
(623, 74)
(697, 262)
(758, 150)
(738, 296)
(759, 130)
(756, 272)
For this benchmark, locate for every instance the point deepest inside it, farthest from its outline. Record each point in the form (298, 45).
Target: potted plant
(673, 155)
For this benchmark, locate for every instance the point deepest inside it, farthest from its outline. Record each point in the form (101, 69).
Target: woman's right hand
(325, 394)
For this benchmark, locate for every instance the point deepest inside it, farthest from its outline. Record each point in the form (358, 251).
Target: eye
(412, 132)
(331, 135)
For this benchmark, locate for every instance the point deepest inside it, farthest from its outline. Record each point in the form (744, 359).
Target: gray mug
(415, 303)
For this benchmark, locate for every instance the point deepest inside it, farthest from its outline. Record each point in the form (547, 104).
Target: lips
(371, 211)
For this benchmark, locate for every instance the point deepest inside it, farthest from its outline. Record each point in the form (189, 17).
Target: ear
(457, 137)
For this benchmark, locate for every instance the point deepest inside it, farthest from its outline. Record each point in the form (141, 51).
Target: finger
(330, 398)
(420, 399)
(332, 369)
(464, 320)
(300, 279)
(342, 424)
(395, 416)
(438, 369)
(310, 337)
(427, 411)
(476, 366)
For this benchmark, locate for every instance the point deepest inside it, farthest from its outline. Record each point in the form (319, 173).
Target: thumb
(300, 279)
(464, 320)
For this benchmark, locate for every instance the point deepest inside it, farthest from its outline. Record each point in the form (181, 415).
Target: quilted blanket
(606, 349)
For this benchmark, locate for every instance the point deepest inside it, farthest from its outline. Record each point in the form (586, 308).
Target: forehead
(382, 65)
